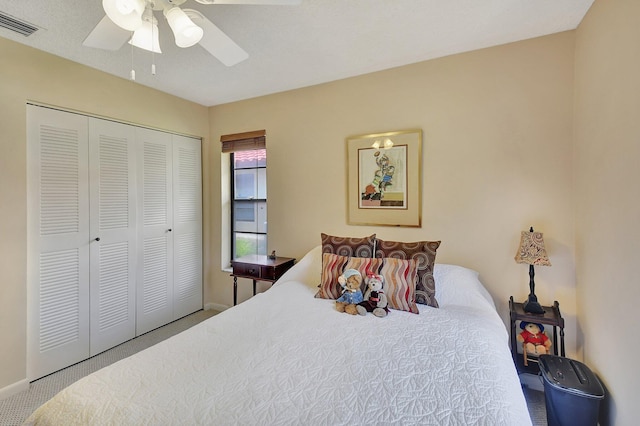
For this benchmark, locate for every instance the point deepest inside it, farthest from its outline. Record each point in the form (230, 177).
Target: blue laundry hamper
(572, 392)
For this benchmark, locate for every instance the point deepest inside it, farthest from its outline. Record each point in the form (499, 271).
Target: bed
(285, 357)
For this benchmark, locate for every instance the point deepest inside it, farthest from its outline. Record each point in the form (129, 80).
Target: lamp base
(532, 306)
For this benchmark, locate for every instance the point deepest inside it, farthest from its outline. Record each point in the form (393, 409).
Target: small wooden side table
(258, 268)
(551, 316)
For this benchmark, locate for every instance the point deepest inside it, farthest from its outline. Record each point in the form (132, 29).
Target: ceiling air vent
(16, 26)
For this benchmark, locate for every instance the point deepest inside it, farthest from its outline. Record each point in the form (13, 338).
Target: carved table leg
(235, 291)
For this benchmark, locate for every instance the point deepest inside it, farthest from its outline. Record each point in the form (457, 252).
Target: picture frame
(384, 176)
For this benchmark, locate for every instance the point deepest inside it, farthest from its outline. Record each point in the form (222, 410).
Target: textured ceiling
(295, 46)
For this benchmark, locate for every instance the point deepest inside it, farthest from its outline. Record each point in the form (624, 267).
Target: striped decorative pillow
(400, 283)
(333, 266)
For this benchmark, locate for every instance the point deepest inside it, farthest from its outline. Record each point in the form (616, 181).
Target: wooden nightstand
(258, 268)
(550, 317)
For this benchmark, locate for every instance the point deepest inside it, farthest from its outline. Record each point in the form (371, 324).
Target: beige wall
(31, 75)
(607, 149)
(497, 158)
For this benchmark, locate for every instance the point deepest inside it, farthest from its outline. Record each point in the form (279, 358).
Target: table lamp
(532, 252)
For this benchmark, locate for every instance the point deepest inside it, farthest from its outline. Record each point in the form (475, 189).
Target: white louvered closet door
(112, 232)
(58, 240)
(154, 294)
(187, 226)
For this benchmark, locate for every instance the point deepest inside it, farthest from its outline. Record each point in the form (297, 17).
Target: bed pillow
(460, 286)
(424, 253)
(334, 265)
(400, 277)
(348, 246)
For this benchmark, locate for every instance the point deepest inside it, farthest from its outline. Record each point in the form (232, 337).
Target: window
(248, 192)
(249, 202)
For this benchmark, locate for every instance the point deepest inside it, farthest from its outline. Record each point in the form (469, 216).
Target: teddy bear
(533, 337)
(374, 298)
(350, 281)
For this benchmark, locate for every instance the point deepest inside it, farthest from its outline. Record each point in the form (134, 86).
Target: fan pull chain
(153, 54)
(133, 72)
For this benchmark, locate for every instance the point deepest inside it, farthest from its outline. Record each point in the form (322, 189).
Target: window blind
(244, 141)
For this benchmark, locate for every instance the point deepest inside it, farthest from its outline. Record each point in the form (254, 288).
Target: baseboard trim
(13, 389)
(215, 307)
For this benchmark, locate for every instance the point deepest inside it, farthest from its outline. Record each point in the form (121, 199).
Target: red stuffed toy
(533, 337)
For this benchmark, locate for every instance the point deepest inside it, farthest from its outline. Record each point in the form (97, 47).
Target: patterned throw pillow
(333, 266)
(400, 283)
(348, 246)
(424, 253)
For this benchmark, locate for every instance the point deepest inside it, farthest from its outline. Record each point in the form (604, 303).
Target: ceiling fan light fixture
(127, 14)
(184, 30)
(146, 37)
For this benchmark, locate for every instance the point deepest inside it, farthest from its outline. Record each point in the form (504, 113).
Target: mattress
(285, 357)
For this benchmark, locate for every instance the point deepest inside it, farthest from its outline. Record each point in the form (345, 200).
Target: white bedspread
(284, 357)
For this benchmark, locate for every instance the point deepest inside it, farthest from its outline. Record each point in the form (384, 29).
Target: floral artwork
(384, 175)
(382, 179)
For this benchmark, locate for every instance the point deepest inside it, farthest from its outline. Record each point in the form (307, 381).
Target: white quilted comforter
(284, 357)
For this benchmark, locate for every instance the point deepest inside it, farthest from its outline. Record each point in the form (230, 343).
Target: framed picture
(384, 176)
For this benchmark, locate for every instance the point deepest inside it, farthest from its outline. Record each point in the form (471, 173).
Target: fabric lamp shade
(531, 250)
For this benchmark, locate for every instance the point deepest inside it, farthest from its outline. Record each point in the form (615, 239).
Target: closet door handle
(97, 239)
(169, 230)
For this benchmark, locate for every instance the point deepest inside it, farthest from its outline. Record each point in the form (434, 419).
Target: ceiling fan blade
(216, 42)
(258, 2)
(107, 35)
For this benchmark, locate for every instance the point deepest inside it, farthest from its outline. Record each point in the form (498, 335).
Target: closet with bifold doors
(114, 234)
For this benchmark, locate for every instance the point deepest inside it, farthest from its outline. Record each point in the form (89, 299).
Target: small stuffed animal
(534, 340)
(350, 281)
(375, 299)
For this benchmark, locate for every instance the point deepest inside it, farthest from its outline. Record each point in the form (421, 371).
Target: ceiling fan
(134, 21)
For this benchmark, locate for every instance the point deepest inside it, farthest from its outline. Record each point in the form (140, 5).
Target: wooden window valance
(244, 141)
